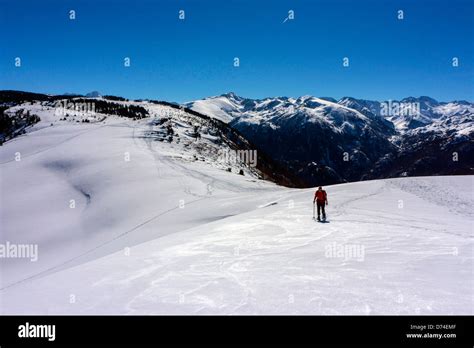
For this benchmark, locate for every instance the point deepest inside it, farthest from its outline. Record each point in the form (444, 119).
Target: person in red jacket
(321, 199)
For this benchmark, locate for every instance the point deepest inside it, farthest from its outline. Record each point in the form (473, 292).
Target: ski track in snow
(247, 248)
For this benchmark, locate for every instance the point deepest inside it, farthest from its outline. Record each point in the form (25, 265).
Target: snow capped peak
(231, 95)
(405, 114)
(228, 107)
(222, 107)
(461, 102)
(330, 99)
(305, 97)
(410, 112)
(424, 100)
(346, 99)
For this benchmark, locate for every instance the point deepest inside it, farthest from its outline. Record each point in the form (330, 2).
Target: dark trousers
(320, 206)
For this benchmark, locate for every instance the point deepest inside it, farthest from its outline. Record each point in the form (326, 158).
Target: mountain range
(326, 141)
(301, 142)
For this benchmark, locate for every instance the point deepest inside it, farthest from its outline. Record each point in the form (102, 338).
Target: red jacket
(320, 196)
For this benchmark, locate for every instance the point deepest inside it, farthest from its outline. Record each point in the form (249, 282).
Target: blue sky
(185, 60)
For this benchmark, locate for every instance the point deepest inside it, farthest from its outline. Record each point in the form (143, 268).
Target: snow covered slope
(224, 107)
(398, 246)
(82, 190)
